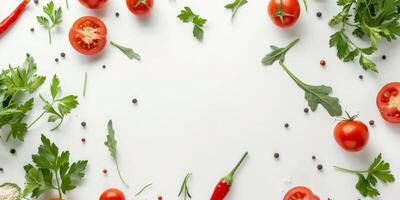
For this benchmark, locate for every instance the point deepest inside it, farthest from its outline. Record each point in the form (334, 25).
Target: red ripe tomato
(56, 199)
(112, 194)
(300, 193)
(352, 135)
(140, 7)
(284, 13)
(388, 102)
(93, 4)
(88, 35)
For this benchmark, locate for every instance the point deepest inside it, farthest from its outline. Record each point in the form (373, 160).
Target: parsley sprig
(235, 5)
(184, 187)
(111, 143)
(313, 94)
(372, 19)
(367, 179)
(53, 15)
(52, 171)
(58, 108)
(187, 15)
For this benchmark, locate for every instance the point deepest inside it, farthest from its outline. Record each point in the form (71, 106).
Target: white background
(201, 105)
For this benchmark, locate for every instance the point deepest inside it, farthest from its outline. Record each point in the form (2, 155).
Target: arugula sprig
(52, 171)
(16, 82)
(111, 143)
(235, 5)
(373, 19)
(187, 15)
(127, 51)
(58, 108)
(367, 179)
(53, 15)
(184, 187)
(313, 94)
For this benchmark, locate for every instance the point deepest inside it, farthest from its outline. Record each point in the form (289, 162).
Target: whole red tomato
(140, 7)
(284, 13)
(388, 102)
(93, 4)
(352, 135)
(300, 193)
(112, 194)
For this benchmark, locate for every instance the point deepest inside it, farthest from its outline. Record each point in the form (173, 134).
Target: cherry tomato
(88, 35)
(352, 135)
(284, 13)
(112, 194)
(140, 7)
(300, 193)
(388, 102)
(93, 4)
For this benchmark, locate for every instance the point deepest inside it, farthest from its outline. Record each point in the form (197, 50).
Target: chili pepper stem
(229, 178)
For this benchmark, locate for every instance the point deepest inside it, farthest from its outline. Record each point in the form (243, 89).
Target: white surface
(203, 104)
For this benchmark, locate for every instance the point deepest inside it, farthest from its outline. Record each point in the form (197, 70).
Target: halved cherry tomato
(284, 13)
(88, 35)
(93, 4)
(352, 135)
(140, 7)
(300, 193)
(112, 194)
(388, 102)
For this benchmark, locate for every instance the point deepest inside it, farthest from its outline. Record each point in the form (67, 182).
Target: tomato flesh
(351, 135)
(284, 13)
(140, 7)
(93, 4)
(88, 35)
(388, 102)
(112, 194)
(300, 193)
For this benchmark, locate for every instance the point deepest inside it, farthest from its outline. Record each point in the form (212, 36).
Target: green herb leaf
(52, 15)
(313, 94)
(184, 187)
(187, 15)
(143, 189)
(235, 5)
(127, 51)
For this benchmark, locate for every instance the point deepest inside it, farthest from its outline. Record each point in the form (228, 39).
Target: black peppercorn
(313, 157)
(371, 122)
(134, 101)
(306, 110)
(360, 76)
(62, 54)
(319, 14)
(117, 14)
(28, 55)
(320, 167)
(36, 1)
(104, 66)
(32, 30)
(1, 169)
(276, 155)
(286, 125)
(13, 151)
(56, 59)
(83, 124)
(384, 57)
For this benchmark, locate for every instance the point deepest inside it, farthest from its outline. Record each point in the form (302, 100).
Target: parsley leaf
(378, 170)
(111, 143)
(52, 166)
(53, 15)
(235, 5)
(187, 15)
(184, 187)
(313, 94)
(127, 51)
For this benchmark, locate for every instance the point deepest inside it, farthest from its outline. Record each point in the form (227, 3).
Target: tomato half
(300, 193)
(112, 194)
(140, 7)
(284, 13)
(388, 102)
(352, 135)
(88, 35)
(93, 4)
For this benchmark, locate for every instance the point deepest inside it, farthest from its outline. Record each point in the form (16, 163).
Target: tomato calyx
(142, 2)
(349, 117)
(282, 14)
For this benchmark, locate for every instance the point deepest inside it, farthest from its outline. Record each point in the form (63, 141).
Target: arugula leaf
(187, 15)
(111, 144)
(313, 94)
(52, 166)
(378, 170)
(184, 187)
(53, 15)
(235, 5)
(127, 51)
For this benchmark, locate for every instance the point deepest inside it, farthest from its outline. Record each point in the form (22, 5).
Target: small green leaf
(187, 15)
(198, 32)
(277, 54)
(55, 86)
(111, 143)
(235, 5)
(127, 51)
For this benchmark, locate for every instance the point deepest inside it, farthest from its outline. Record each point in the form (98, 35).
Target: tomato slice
(388, 102)
(88, 35)
(300, 193)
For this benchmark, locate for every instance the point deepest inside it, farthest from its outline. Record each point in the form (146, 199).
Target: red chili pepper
(223, 186)
(12, 18)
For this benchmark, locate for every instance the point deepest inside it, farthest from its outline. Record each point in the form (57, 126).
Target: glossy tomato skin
(300, 193)
(388, 102)
(351, 135)
(56, 199)
(112, 194)
(140, 9)
(290, 7)
(93, 4)
(88, 35)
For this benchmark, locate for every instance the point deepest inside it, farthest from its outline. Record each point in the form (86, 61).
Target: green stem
(66, 2)
(58, 125)
(144, 188)
(84, 84)
(119, 174)
(37, 119)
(50, 36)
(58, 184)
(305, 5)
(229, 178)
(349, 171)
